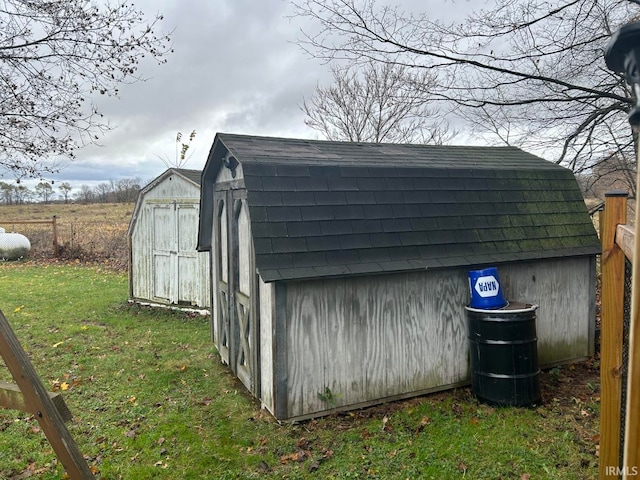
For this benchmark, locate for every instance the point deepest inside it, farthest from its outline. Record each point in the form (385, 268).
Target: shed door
(187, 278)
(175, 261)
(237, 337)
(164, 242)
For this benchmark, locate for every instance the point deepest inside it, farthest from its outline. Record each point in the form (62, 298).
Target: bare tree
(126, 189)
(44, 190)
(375, 104)
(86, 194)
(530, 72)
(617, 173)
(7, 192)
(103, 192)
(65, 189)
(54, 55)
(23, 194)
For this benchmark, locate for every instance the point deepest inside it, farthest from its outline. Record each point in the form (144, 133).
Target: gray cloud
(235, 68)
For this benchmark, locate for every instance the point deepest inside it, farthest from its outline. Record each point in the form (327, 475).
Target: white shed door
(189, 281)
(175, 259)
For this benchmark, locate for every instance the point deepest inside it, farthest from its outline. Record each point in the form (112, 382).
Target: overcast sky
(235, 68)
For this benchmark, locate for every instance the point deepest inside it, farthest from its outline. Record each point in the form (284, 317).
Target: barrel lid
(511, 307)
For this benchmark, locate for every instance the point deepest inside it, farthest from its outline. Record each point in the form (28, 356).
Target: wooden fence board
(12, 398)
(624, 239)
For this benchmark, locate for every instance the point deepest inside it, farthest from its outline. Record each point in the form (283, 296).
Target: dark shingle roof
(193, 175)
(321, 209)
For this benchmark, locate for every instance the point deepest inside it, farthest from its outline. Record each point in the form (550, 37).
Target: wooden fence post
(612, 264)
(56, 250)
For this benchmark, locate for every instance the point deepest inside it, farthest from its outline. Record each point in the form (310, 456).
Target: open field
(95, 232)
(69, 212)
(151, 400)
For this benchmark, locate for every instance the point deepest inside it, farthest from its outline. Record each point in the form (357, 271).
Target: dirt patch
(571, 390)
(568, 382)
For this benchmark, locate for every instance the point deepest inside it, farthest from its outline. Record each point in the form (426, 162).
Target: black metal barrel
(504, 355)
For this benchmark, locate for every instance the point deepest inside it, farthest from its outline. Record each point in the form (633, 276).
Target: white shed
(164, 266)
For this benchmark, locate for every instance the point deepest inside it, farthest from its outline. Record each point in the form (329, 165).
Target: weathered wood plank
(359, 340)
(245, 275)
(242, 328)
(12, 398)
(267, 343)
(280, 351)
(355, 340)
(245, 348)
(163, 241)
(189, 274)
(37, 400)
(625, 238)
(563, 290)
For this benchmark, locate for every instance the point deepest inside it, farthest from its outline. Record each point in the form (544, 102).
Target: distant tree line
(113, 191)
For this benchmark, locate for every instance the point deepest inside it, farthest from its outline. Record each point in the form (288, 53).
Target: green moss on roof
(370, 208)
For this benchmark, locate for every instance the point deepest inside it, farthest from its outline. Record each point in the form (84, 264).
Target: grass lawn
(151, 400)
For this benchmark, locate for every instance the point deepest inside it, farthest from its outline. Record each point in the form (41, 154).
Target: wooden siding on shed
(371, 338)
(266, 361)
(375, 338)
(565, 292)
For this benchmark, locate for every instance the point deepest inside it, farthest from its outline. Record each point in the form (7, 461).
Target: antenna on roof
(182, 148)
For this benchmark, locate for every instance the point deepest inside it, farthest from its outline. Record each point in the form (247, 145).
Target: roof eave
(295, 275)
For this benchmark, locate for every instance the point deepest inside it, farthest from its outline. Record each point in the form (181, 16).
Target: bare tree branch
(529, 72)
(54, 55)
(375, 104)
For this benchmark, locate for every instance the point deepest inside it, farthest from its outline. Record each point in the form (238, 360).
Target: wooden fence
(618, 243)
(88, 241)
(54, 229)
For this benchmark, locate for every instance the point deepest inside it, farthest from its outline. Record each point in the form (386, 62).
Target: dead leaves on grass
(297, 456)
(68, 382)
(304, 452)
(32, 470)
(423, 423)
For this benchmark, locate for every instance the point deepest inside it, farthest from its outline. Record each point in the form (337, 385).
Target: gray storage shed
(340, 270)
(165, 267)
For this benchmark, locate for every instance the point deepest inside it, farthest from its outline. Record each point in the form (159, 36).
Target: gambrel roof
(191, 176)
(323, 209)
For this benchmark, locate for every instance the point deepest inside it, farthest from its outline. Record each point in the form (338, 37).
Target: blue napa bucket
(486, 290)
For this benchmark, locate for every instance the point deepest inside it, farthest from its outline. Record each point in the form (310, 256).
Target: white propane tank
(13, 246)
